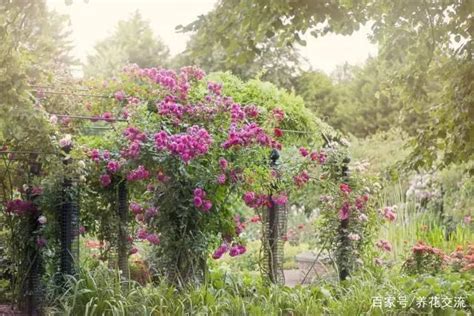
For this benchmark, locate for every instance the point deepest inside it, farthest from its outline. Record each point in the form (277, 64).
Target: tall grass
(413, 225)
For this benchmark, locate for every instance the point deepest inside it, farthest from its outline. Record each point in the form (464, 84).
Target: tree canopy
(133, 42)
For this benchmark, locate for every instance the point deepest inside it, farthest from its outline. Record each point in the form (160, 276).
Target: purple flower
(206, 205)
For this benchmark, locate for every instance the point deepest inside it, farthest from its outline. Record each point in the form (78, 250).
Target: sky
(94, 20)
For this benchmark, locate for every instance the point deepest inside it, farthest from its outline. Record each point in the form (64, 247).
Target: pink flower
(301, 179)
(138, 174)
(153, 239)
(136, 208)
(113, 166)
(281, 199)
(119, 95)
(142, 233)
(345, 188)
(220, 251)
(223, 163)
(249, 198)
(344, 211)
(107, 116)
(353, 237)
(467, 219)
(206, 205)
(133, 251)
(197, 201)
(105, 180)
(221, 179)
(384, 245)
(36, 191)
(304, 152)
(389, 214)
(278, 114)
(199, 192)
(82, 230)
(95, 155)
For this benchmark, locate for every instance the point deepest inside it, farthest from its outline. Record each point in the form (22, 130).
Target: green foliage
(425, 49)
(101, 292)
(133, 42)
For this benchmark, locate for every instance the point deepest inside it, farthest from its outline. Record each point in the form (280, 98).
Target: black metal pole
(122, 246)
(344, 241)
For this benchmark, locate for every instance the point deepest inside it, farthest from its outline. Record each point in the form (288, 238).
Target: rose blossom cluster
(169, 107)
(136, 139)
(384, 245)
(20, 207)
(301, 179)
(200, 200)
(280, 199)
(389, 213)
(196, 141)
(152, 238)
(248, 135)
(234, 251)
(254, 200)
(138, 174)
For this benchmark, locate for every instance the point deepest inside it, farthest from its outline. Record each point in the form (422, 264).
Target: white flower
(363, 217)
(53, 119)
(81, 164)
(353, 236)
(42, 220)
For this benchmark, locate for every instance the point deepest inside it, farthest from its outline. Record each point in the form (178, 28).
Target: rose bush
(191, 155)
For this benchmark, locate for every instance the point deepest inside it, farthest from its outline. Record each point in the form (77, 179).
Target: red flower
(277, 132)
(345, 188)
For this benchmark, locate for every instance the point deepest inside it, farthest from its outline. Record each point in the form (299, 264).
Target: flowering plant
(190, 154)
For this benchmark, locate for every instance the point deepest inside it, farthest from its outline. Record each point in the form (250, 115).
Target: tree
(133, 42)
(419, 41)
(208, 48)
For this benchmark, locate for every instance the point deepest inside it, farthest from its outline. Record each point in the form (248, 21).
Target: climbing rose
(153, 239)
(119, 95)
(353, 236)
(304, 152)
(40, 242)
(281, 199)
(223, 163)
(384, 245)
(138, 174)
(220, 251)
(344, 211)
(105, 180)
(113, 166)
(42, 220)
(389, 214)
(221, 178)
(66, 142)
(277, 132)
(345, 188)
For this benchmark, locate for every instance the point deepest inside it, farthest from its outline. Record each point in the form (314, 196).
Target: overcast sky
(92, 21)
